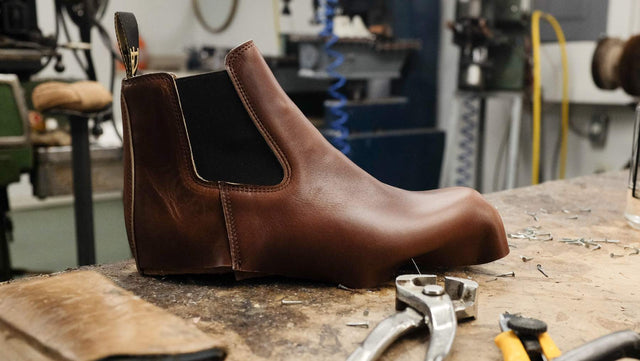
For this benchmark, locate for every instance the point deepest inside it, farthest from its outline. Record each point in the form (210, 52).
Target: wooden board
(587, 294)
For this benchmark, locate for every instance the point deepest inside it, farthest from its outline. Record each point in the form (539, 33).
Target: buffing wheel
(604, 65)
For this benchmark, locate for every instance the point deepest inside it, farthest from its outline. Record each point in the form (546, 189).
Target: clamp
(421, 301)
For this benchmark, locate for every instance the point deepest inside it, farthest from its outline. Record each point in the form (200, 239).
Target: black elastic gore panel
(225, 143)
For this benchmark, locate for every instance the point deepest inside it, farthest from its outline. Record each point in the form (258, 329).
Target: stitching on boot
(263, 130)
(131, 180)
(236, 258)
(186, 155)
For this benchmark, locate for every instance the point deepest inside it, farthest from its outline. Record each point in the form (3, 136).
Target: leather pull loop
(127, 34)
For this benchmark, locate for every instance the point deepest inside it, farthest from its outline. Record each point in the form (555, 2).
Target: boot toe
(477, 235)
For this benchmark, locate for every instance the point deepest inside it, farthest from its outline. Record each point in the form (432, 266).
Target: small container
(632, 211)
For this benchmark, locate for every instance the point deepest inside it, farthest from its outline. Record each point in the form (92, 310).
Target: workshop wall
(169, 27)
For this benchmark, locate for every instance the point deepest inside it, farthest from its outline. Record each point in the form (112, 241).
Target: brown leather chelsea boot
(223, 173)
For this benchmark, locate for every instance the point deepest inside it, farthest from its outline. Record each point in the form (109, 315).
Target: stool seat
(81, 96)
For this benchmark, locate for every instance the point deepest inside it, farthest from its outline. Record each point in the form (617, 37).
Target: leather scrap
(83, 316)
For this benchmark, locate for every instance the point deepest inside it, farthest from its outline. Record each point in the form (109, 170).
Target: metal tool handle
(611, 347)
(442, 329)
(385, 333)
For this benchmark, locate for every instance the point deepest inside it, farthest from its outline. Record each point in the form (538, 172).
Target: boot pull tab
(127, 35)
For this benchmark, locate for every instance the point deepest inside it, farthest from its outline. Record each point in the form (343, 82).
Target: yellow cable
(535, 39)
(276, 25)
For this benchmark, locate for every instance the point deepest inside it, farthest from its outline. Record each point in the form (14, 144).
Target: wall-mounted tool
(615, 64)
(526, 339)
(420, 301)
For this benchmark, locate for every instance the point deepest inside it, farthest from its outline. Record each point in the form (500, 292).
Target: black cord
(106, 40)
(103, 10)
(68, 37)
(114, 57)
(55, 42)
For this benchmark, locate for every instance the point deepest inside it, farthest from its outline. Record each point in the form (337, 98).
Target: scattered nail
(542, 210)
(291, 302)
(542, 239)
(343, 287)
(517, 235)
(585, 210)
(539, 267)
(596, 247)
(635, 250)
(572, 217)
(364, 324)
(525, 258)
(512, 245)
(566, 211)
(416, 265)
(494, 279)
(613, 255)
(508, 274)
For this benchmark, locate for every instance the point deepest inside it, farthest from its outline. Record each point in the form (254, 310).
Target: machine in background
(15, 157)
(24, 51)
(492, 36)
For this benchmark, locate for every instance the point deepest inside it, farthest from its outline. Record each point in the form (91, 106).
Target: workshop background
(425, 126)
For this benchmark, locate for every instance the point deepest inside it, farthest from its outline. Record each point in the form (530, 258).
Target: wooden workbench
(588, 292)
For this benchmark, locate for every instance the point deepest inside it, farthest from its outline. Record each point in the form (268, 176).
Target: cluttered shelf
(591, 262)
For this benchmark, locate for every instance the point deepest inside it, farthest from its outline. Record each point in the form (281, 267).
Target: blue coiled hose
(466, 144)
(339, 132)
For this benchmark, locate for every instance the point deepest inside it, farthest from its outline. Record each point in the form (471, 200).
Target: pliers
(420, 302)
(526, 339)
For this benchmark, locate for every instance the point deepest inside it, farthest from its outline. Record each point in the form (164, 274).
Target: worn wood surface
(587, 294)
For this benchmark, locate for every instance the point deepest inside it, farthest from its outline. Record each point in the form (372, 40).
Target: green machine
(15, 156)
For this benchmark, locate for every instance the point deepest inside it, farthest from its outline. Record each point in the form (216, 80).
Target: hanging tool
(420, 301)
(526, 339)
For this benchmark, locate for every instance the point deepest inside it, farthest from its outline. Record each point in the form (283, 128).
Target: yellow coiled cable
(535, 39)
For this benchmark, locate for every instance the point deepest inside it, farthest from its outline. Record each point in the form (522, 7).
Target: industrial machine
(492, 36)
(381, 110)
(15, 156)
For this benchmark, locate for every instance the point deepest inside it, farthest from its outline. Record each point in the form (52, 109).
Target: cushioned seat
(81, 96)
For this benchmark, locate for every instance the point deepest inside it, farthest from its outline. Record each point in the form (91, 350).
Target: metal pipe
(82, 192)
(514, 141)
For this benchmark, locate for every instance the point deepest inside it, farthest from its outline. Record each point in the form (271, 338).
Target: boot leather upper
(327, 220)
